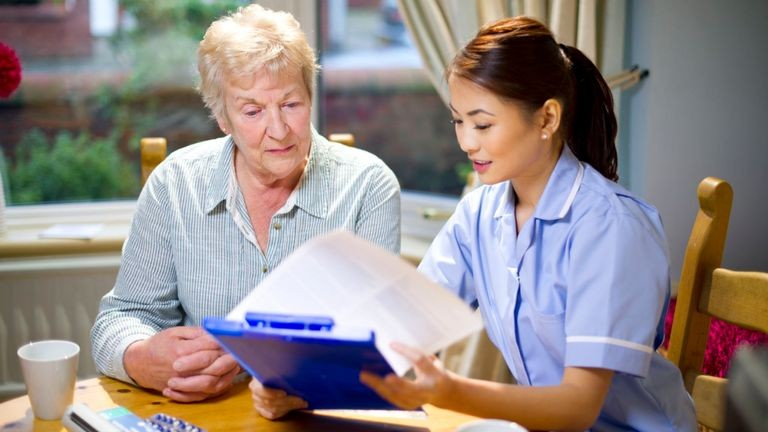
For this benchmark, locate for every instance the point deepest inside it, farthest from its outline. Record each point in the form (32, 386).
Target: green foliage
(4, 176)
(463, 170)
(160, 47)
(70, 168)
(190, 16)
(159, 50)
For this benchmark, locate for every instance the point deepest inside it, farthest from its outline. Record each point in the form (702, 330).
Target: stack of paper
(72, 231)
(362, 285)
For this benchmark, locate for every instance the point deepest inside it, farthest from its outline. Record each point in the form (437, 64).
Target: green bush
(159, 53)
(189, 16)
(71, 168)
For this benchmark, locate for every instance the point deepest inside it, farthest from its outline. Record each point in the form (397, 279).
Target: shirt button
(264, 269)
(277, 225)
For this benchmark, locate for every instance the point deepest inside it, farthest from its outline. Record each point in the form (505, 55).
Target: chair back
(707, 291)
(736, 297)
(153, 151)
(703, 255)
(347, 139)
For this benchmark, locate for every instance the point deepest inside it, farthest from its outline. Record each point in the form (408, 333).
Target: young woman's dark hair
(519, 60)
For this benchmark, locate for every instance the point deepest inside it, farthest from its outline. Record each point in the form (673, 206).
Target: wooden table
(230, 412)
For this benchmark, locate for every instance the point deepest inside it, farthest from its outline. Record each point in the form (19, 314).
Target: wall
(49, 28)
(50, 298)
(701, 112)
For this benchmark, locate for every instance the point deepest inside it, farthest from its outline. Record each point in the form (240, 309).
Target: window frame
(423, 213)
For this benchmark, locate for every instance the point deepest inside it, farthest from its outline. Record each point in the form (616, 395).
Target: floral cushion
(722, 342)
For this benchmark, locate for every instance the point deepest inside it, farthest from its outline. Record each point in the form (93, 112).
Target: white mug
(50, 371)
(491, 425)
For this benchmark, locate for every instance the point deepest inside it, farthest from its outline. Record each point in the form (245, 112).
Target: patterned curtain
(439, 28)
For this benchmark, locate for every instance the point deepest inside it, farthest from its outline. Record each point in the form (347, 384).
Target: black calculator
(81, 418)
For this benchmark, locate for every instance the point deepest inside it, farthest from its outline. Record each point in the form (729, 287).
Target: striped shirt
(191, 251)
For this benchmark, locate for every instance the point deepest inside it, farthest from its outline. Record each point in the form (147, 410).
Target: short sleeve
(379, 220)
(144, 299)
(618, 278)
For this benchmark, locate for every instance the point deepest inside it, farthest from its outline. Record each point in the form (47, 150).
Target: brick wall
(398, 116)
(47, 29)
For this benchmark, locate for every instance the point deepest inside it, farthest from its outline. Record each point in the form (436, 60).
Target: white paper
(394, 414)
(359, 284)
(72, 231)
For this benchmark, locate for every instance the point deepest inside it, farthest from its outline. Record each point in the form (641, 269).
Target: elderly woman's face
(268, 117)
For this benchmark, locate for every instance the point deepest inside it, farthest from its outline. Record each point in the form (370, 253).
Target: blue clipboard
(306, 356)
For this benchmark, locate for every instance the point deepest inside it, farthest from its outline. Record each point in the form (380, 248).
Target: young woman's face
(502, 141)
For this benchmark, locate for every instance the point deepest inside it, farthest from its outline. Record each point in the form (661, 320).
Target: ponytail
(519, 60)
(592, 132)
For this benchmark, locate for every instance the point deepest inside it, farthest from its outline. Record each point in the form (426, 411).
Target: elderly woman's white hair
(246, 41)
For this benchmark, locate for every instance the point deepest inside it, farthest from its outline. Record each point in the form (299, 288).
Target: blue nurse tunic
(585, 283)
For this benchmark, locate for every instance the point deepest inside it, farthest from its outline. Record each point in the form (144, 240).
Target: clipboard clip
(289, 322)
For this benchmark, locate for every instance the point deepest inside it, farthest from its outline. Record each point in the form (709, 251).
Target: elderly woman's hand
(433, 382)
(273, 403)
(202, 375)
(185, 363)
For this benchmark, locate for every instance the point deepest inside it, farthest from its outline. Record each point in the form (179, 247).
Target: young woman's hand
(273, 403)
(432, 385)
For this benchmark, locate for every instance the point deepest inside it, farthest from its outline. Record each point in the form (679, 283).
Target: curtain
(439, 28)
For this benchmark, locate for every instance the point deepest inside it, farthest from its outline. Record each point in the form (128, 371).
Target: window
(372, 85)
(97, 76)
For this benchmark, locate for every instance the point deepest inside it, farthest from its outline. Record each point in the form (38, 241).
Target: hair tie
(566, 56)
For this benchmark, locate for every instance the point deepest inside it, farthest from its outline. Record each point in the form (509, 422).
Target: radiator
(49, 299)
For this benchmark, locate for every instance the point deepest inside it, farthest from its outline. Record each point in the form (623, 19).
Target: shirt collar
(314, 182)
(312, 194)
(558, 195)
(561, 188)
(218, 187)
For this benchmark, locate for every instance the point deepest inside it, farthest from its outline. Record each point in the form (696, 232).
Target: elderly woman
(215, 218)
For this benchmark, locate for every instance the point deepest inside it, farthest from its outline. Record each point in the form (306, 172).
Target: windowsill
(25, 223)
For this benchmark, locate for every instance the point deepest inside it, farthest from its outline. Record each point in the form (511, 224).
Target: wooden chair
(707, 291)
(154, 150)
(737, 297)
(344, 138)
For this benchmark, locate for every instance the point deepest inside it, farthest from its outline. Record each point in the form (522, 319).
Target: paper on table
(362, 285)
(72, 231)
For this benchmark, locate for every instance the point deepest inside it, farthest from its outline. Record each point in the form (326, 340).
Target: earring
(544, 136)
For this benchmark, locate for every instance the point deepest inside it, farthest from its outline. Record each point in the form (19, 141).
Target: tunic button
(277, 225)
(264, 269)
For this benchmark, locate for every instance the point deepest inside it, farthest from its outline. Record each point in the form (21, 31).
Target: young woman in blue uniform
(569, 269)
